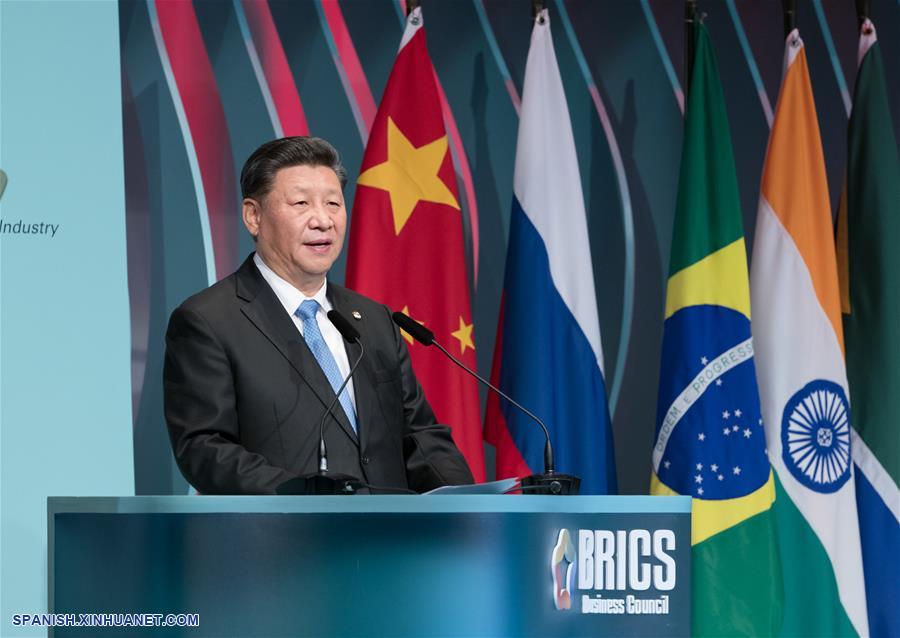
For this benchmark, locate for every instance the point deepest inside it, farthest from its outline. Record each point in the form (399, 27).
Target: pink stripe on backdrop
(514, 96)
(362, 94)
(275, 67)
(206, 119)
(459, 154)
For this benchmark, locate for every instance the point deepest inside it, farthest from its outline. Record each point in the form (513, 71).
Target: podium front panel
(372, 565)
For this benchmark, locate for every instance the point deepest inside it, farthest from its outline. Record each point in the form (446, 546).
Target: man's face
(300, 224)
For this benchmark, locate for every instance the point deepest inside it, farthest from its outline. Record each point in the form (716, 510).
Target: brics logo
(605, 571)
(562, 565)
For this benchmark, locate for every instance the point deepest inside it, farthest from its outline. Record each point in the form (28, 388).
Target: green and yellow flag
(710, 442)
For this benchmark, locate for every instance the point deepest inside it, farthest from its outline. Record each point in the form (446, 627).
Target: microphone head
(416, 330)
(348, 332)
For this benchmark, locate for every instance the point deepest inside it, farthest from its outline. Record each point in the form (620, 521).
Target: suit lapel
(265, 311)
(363, 381)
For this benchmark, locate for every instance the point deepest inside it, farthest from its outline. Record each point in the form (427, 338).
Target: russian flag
(548, 354)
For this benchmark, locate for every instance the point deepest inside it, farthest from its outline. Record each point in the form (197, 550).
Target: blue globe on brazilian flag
(711, 441)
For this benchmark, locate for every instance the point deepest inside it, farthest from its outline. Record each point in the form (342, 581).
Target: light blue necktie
(313, 336)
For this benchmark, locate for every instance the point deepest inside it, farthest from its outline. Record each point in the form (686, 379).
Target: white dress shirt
(291, 298)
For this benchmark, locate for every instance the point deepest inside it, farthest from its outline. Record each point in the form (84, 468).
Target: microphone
(550, 482)
(323, 481)
(348, 332)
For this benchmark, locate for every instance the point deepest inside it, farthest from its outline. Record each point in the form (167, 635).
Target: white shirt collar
(291, 298)
(287, 294)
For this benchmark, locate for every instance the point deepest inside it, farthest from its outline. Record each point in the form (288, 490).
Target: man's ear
(250, 212)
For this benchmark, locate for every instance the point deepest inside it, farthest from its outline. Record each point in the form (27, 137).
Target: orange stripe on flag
(795, 186)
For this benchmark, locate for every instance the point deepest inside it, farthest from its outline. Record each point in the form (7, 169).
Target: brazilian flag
(710, 442)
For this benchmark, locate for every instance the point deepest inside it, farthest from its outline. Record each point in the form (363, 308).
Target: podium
(370, 566)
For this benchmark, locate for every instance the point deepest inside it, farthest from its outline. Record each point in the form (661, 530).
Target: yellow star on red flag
(410, 175)
(464, 336)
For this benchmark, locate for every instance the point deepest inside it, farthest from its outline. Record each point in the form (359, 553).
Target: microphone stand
(548, 482)
(324, 482)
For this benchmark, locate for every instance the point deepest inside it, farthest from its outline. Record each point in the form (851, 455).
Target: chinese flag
(406, 237)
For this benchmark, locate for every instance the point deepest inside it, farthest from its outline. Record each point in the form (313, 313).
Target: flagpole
(862, 10)
(790, 16)
(690, 17)
(411, 6)
(536, 7)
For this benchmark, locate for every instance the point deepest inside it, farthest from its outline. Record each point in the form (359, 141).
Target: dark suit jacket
(244, 397)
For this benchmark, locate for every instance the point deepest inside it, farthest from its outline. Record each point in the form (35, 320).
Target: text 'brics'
(617, 560)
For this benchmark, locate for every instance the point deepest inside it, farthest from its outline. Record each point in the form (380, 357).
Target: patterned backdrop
(205, 82)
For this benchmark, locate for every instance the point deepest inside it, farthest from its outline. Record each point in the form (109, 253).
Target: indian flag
(799, 358)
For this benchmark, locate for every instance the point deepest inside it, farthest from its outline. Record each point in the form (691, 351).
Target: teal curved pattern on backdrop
(621, 65)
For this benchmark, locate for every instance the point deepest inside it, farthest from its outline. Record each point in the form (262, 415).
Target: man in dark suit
(252, 361)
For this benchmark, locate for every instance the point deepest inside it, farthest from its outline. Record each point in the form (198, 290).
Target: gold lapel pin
(356, 315)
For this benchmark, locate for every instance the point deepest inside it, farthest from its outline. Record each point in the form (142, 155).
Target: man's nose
(320, 217)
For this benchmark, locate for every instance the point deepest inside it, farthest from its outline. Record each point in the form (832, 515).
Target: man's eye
(302, 202)
(334, 203)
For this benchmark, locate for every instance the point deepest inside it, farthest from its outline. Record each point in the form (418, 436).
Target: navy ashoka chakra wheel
(815, 436)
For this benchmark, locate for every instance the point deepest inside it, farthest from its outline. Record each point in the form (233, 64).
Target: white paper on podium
(492, 487)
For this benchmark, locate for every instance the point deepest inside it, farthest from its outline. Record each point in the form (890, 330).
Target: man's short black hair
(260, 168)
